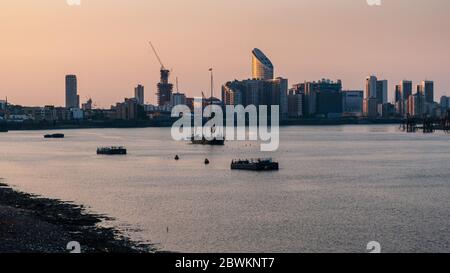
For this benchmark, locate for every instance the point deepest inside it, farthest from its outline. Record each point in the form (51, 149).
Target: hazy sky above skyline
(105, 43)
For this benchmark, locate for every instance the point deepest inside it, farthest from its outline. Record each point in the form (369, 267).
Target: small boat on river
(54, 136)
(255, 165)
(111, 151)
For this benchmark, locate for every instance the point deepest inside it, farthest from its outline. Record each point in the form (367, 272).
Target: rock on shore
(30, 224)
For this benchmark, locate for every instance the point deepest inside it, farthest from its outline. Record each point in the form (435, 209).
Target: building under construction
(165, 88)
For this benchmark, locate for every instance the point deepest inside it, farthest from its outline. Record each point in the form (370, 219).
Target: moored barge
(54, 136)
(203, 141)
(111, 151)
(255, 165)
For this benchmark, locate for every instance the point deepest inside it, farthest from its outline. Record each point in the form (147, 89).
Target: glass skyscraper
(262, 67)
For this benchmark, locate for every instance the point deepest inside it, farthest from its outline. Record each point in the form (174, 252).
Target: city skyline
(110, 55)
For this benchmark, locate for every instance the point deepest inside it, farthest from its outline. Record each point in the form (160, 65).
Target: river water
(338, 188)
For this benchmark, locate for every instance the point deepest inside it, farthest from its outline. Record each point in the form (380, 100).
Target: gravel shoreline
(31, 224)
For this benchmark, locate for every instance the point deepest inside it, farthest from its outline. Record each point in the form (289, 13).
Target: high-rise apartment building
(445, 104)
(405, 89)
(139, 94)
(257, 92)
(262, 67)
(382, 91)
(403, 92)
(376, 92)
(247, 92)
(263, 89)
(295, 105)
(352, 102)
(322, 98)
(426, 89)
(371, 87)
(370, 107)
(398, 93)
(178, 99)
(415, 105)
(165, 88)
(72, 98)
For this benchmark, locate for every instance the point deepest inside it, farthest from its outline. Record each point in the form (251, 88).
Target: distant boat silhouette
(54, 136)
(111, 151)
(255, 165)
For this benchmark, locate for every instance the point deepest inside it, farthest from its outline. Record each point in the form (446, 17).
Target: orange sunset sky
(105, 43)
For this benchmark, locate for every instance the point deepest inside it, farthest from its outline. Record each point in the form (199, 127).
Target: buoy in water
(206, 161)
(177, 157)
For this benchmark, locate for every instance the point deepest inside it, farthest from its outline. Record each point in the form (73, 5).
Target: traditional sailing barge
(216, 140)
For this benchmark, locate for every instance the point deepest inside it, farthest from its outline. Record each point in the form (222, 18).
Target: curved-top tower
(262, 67)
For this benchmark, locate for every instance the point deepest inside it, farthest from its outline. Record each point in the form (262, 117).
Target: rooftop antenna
(177, 84)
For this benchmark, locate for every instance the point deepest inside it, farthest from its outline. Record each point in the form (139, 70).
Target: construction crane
(157, 56)
(165, 88)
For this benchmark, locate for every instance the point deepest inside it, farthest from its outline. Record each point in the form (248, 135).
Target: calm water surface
(338, 188)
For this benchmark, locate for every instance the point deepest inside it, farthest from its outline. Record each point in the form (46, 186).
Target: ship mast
(213, 129)
(212, 85)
